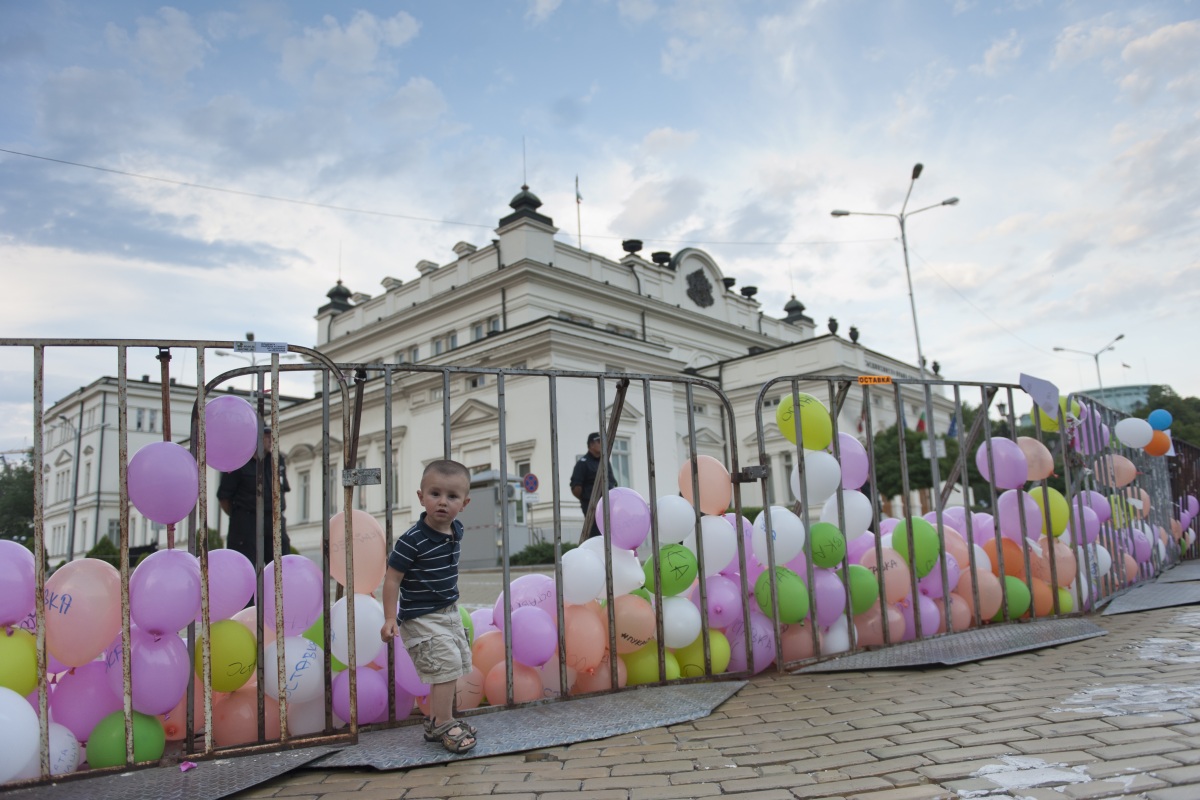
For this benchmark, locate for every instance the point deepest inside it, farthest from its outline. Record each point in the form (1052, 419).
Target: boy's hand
(389, 630)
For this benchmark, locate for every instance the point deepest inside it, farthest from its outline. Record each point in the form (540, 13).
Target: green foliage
(16, 503)
(1185, 411)
(105, 550)
(537, 553)
(215, 542)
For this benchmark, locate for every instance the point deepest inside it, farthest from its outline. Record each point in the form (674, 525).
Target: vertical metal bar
(277, 533)
(560, 611)
(201, 546)
(389, 500)
(326, 513)
(39, 558)
(123, 464)
(504, 532)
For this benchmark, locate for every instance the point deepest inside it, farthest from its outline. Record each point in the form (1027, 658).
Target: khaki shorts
(437, 644)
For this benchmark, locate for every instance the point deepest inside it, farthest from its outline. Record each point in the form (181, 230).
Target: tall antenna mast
(524, 165)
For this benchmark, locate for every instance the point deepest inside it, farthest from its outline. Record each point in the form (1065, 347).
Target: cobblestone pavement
(1112, 716)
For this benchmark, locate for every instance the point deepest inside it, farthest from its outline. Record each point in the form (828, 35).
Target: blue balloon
(1160, 419)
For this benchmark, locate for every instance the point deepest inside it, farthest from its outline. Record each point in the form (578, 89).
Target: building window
(87, 476)
(82, 534)
(493, 324)
(140, 417)
(444, 344)
(399, 356)
(114, 531)
(477, 332)
(414, 353)
(305, 493)
(523, 468)
(395, 478)
(698, 409)
(519, 365)
(153, 420)
(435, 394)
(476, 381)
(620, 461)
(361, 505)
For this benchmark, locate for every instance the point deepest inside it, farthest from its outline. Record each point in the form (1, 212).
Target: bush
(537, 553)
(105, 550)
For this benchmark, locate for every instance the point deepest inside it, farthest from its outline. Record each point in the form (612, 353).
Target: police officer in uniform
(583, 477)
(237, 494)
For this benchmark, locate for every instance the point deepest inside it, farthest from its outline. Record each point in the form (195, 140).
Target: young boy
(423, 574)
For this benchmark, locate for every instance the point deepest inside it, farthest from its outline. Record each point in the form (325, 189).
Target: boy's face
(443, 497)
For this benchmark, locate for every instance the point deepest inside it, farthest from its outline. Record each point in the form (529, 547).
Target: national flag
(921, 423)
(953, 432)
(578, 196)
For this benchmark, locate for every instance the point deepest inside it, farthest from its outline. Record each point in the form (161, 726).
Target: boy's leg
(441, 702)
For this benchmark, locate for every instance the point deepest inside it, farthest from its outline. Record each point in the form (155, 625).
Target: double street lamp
(901, 217)
(1095, 357)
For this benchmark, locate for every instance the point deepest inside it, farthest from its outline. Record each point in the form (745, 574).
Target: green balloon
(18, 661)
(864, 589)
(1019, 598)
(468, 625)
(643, 593)
(793, 594)
(106, 744)
(926, 545)
(316, 635)
(828, 544)
(676, 569)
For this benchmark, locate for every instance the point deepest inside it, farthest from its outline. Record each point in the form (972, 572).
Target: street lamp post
(75, 487)
(1096, 358)
(901, 218)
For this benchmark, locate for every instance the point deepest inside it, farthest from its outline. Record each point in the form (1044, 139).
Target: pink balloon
(164, 592)
(856, 468)
(762, 643)
(1012, 468)
(163, 482)
(159, 671)
(1008, 512)
(83, 610)
(230, 584)
(481, 619)
(302, 594)
(724, 596)
(17, 582)
(830, 594)
(630, 524)
(230, 433)
(371, 691)
(534, 636)
(82, 698)
(528, 590)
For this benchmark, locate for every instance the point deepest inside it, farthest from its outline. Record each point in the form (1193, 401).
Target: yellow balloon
(1050, 423)
(813, 425)
(642, 664)
(1122, 512)
(1059, 512)
(234, 655)
(691, 658)
(18, 661)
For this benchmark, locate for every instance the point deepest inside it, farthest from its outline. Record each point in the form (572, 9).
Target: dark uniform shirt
(584, 476)
(240, 489)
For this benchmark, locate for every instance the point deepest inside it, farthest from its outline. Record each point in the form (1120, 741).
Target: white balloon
(368, 620)
(1080, 593)
(719, 543)
(787, 531)
(1134, 432)
(64, 755)
(681, 621)
(885, 540)
(857, 509)
(1103, 561)
(982, 560)
(676, 519)
(822, 475)
(583, 575)
(304, 668)
(308, 717)
(18, 734)
(836, 639)
(627, 572)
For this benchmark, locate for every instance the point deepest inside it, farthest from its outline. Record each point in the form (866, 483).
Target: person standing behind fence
(422, 575)
(583, 477)
(237, 494)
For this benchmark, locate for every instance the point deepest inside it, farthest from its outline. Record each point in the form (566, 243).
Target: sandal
(455, 736)
(430, 736)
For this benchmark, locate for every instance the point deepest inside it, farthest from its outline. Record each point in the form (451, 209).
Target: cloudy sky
(200, 170)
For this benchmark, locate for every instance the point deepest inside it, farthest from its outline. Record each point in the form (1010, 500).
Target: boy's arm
(391, 596)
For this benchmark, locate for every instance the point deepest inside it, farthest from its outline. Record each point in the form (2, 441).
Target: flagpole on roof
(578, 221)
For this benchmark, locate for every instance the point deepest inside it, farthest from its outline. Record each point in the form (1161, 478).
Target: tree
(1185, 412)
(16, 503)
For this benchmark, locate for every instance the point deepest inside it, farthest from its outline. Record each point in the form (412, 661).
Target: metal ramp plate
(1148, 596)
(549, 725)
(1182, 572)
(971, 645)
(209, 780)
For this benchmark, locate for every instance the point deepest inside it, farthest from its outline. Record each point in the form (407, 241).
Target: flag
(578, 196)
(862, 420)
(921, 423)
(953, 432)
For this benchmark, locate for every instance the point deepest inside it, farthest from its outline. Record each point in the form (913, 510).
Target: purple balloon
(372, 695)
(302, 593)
(160, 671)
(1193, 505)
(830, 594)
(230, 433)
(630, 524)
(53, 665)
(481, 618)
(1090, 527)
(1008, 512)
(888, 525)
(230, 584)
(407, 679)
(534, 636)
(724, 596)
(1092, 438)
(762, 643)
(528, 590)
(163, 482)
(983, 528)
(798, 565)
(1143, 547)
(17, 582)
(164, 592)
(82, 698)
(930, 618)
(1012, 468)
(1099, 504)
(931, 585)
(857, 547)
(855, 466)
(955, 517)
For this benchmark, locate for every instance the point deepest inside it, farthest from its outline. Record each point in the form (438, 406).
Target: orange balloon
(1043, 599)
(370, 551)
(235, 719)
(960, 614)
(488, 650)
(468, 692)
(1041, 463)
(1014, 559)
(1065, 563)
(897, 578)
(990, 593)
(797, 640)
(1141, 496)
(1176, 530)
(527, 684)
(599, 679)
(869, 626)
(956, 545)
(586, 634)
(1115, 471)
(1160, 444)
(83, 610)
(1131, 568)
(635, 622)
(174, 722)
(716, 487)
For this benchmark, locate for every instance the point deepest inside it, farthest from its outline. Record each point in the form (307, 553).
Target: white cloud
(166, 46)
(354, 49)
(541, 10)
(1085, 41)
(418, 101)
(1002, 53)
(637, 10)
(1167, 56)
(667, 141)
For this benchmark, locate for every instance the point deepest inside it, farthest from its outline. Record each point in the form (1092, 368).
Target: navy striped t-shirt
(429, 561)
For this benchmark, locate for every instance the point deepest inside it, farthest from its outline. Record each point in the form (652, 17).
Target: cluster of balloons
(1151, 435)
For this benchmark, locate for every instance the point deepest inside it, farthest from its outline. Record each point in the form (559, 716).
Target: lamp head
(916, 173)
(837, 212)
(952, 201)
(1119, 338)
(1058, 349)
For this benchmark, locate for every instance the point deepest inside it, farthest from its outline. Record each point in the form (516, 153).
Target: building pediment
(706, 437)
(474, 412)
(63, 458)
